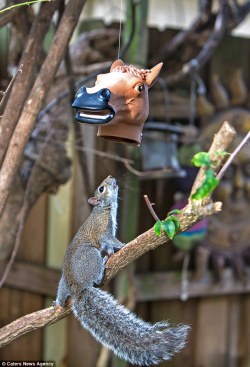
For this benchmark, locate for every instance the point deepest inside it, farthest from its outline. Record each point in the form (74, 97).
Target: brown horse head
(121, 102)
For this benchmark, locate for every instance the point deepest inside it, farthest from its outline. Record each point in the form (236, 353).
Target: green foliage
(174, 211)
(202, 159)
(169, 226)
(157, 228)
(208, 185)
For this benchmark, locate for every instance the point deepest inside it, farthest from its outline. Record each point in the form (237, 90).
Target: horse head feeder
(118, 103)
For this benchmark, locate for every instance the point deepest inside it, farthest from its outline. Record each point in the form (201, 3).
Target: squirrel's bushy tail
(120, 330)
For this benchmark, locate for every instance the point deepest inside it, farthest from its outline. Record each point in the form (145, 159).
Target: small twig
(26, 3)
(7, 270)
(232, 156)
(153, 173)
(150, 207)
(6, 93)
(99, 153)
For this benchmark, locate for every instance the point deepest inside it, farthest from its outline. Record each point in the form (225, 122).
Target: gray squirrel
(112, 325)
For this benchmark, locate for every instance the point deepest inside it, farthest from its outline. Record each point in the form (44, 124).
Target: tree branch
(222, 139)
(147, 241)
(182, 37)
(6, 18)
(220, 27)
(7, 92)
(227, 18)
(37, 95)
(233, 155)
(24, 80)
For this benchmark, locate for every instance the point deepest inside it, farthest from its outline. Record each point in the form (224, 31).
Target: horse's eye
(139, 87)
(101, 189)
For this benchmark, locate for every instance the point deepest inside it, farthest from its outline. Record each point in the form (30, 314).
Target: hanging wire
(120, 31)
(197, 87)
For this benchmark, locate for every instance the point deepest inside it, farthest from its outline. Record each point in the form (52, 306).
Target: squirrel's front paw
(58, 303)
(104, 261)
(55, 303)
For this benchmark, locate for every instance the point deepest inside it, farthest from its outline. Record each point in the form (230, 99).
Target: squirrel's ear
(94, 201)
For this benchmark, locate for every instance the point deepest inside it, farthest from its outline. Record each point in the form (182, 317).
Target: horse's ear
(154, 72)
(116, 63)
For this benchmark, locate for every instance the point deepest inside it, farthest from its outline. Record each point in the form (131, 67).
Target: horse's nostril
(105, 94)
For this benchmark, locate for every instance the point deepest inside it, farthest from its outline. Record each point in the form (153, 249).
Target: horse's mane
(140, 73)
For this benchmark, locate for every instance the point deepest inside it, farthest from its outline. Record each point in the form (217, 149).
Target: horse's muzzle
(93, 108)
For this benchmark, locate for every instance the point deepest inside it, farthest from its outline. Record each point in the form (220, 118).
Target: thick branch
(227, 18)
(220, 27)
(220, 143)
(193, 212)
(183, 36)
(7, 17)
(31, 322)
(9, 13)
(37, 95)
(25, 78)
(7, 92)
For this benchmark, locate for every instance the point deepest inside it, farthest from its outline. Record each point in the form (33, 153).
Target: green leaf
(168, 227)
(175, 221)
(174, 211)
(157, 228)
(209, 184)
(201, 159)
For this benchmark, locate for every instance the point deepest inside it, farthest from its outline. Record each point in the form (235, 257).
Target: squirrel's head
(106, 193)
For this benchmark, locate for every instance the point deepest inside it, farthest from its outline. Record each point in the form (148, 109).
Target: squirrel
(112, 325)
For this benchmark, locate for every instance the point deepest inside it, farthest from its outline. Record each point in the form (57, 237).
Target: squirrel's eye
(139, 87)
(101, 189)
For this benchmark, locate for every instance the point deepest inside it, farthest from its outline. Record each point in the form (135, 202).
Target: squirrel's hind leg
(87, 267)
(63, 293)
